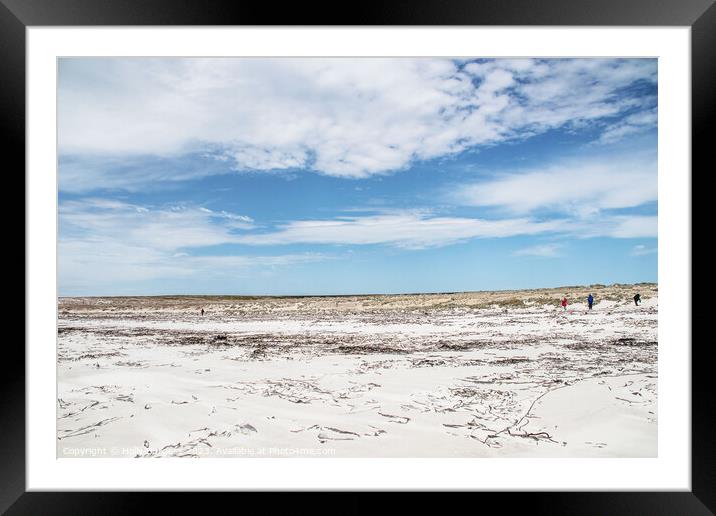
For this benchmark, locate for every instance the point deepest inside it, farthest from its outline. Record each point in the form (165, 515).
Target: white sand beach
(501, 374)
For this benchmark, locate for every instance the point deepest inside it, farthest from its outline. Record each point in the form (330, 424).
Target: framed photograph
(421, 249)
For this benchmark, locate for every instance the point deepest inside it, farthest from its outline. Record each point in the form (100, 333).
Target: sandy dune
(443, 375)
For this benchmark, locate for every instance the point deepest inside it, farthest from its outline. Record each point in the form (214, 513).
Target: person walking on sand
(564, 302)
(590, 301)
(202, 312)
(637, 299)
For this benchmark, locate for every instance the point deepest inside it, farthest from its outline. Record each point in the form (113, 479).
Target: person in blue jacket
(590, 301)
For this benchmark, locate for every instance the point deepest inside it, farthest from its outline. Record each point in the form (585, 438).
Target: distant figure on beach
(637, 299)
(202, 312)
(564, 302)
(590, 301)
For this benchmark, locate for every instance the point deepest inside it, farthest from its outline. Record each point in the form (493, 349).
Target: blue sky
(337, 176)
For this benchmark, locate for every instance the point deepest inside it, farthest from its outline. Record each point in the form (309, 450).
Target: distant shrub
(512, 302)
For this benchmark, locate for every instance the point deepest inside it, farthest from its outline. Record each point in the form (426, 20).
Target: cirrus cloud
(579, 187)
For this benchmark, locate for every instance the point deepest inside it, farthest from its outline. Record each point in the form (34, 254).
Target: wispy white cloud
(578, 187)
(105, 242)
(341, 117)
(231, 220)
(614, 226)
(412, 230)
(542, 250)
(632, 124)
(419, 230)
(642, 250)
(166, 229)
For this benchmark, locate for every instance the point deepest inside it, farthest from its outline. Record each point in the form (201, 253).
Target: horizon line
(365, 294)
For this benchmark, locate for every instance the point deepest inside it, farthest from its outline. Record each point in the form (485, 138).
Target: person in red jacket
(564, 302)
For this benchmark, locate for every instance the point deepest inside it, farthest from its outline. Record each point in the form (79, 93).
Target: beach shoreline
(483, 374)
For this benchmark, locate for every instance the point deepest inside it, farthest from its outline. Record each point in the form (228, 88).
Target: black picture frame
(17, 15)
